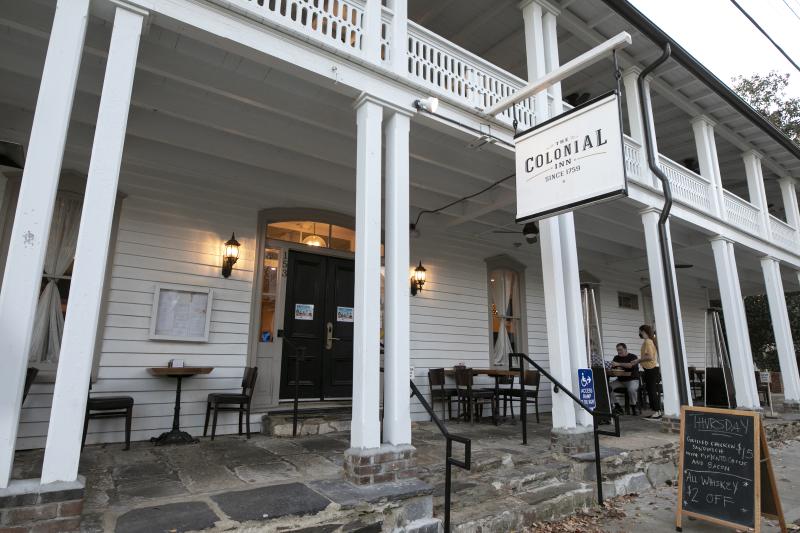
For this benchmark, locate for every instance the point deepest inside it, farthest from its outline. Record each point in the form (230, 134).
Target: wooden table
(496, 373)
(176, 436)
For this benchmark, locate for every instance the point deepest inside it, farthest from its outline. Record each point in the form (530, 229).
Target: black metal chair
(241, 402)
(109, 407)
(532, 380)
(470, 398)
(30, 376)
(763, 390)
(440, 393)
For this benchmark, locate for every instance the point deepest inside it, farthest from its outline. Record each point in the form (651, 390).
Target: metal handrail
(557, 386)
(299, 354)
(449, 460)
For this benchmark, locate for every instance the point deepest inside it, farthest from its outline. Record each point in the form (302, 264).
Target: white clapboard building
(138, 135)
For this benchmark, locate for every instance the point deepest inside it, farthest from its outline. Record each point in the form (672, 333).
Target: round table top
(174, 371)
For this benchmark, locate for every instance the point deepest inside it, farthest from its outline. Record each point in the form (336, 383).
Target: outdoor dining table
(175, 435)
(496, 373)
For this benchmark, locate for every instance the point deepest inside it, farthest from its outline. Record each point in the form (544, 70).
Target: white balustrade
(386, 32)
(458, 74)
(338, 23)
(687, 187)
(782, 233)
(742, 213)
(633, 160)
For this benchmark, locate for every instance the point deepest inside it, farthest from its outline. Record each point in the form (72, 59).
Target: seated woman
(630, 363)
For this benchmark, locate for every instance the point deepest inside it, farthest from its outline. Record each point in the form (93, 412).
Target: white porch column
(399, 37)
(630, 79)
(736, 324)
(755, 187)
(534, 46)
(782, 330)
(705, 143)
(371, 37)
(658, 287)
(555, 307)
(397, 315)
(62, 452)
(789, 196)
(365, 426)
(30, 233)
(566, 228)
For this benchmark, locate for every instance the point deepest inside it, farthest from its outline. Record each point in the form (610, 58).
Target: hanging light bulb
(314, 239)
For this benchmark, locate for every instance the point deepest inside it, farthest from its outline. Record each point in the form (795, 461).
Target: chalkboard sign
(723, 465)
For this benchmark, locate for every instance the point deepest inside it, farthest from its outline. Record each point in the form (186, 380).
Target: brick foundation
(791, 407)
(670, 424)
(26, 506)
(572, 441)
(380, 465)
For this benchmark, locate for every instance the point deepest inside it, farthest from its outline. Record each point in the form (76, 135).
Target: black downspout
(666, 255)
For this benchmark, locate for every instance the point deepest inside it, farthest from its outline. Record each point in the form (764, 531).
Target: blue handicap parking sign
(586, 387)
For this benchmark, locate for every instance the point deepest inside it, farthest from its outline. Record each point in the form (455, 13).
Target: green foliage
(759, 324)
(767, 95)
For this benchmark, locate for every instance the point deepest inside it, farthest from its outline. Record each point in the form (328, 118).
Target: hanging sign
(724, 472)
(586, 388)
(573, 160)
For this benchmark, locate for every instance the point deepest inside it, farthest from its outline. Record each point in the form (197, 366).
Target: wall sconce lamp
(230, 255)
(418, 279)
(429, 104)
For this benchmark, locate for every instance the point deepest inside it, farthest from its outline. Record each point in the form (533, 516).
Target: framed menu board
(181, 313)
(725, 475)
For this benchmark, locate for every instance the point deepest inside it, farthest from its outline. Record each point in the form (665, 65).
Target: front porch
(271, 483)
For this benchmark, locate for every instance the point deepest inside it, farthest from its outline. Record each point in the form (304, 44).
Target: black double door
(318, 319)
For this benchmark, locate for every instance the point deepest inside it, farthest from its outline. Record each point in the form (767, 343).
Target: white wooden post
(31, 230)
(397, 315)
(755, 188)
(789, 196)
(371, 36)
(632, 104)
(557, 234)
(705, 145)
(399, 37)
(658, 287)
(62, 452)
(365, 426)
(736, 324)
(782, 329)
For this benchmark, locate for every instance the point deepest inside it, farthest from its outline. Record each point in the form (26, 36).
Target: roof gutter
(660, 38)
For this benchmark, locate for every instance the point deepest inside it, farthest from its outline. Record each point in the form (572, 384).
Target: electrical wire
(454, 202)
(791, 9)
(763, 32)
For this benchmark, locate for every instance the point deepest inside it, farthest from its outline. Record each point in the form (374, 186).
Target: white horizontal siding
(182, 247)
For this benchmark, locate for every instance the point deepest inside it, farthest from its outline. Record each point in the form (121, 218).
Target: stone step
(317, 424)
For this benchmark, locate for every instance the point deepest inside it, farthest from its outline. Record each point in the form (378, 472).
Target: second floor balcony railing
(452, 73)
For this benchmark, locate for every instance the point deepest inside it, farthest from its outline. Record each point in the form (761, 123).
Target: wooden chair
(109, 407)
(440, 393)
(470, 398)
(696, 383)
(232, 402)
(30, 376)
(532, 380)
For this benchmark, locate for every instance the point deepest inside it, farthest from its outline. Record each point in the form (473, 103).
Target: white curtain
(502, 289)
(48, 325)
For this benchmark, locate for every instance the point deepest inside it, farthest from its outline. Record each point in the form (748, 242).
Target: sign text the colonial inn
(570, 161)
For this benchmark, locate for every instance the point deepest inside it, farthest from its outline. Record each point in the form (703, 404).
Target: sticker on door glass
(344, 314)
(304, 311)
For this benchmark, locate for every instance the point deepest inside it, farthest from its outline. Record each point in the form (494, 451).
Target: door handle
(329, 338)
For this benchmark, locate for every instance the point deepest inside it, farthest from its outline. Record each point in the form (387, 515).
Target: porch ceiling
(494, 30)
(229, 134)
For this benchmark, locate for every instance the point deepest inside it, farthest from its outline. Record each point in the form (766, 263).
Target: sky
(721, 38)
